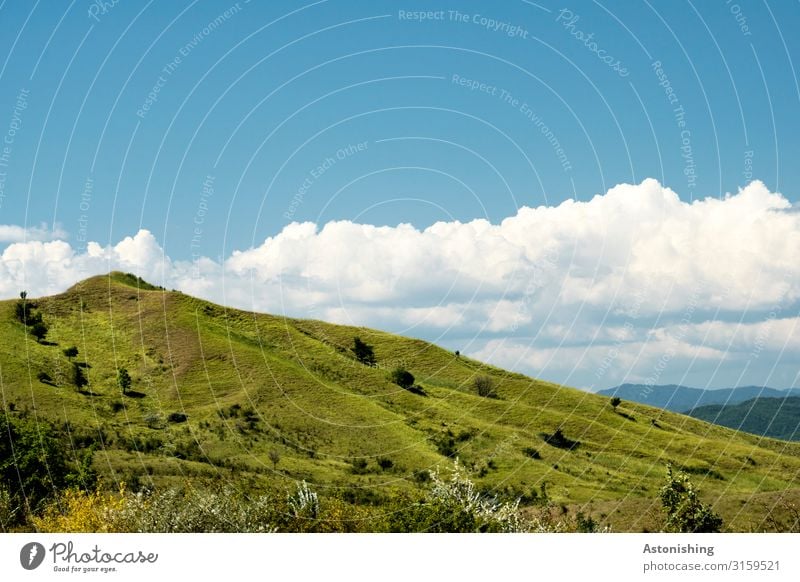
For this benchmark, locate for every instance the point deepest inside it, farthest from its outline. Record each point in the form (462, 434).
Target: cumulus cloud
(10, 233)
(551, 290)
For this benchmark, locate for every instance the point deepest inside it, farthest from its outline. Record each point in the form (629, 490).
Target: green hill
(773, 417)
(218, 392)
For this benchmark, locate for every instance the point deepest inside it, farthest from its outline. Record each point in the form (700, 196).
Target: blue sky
(214, 126)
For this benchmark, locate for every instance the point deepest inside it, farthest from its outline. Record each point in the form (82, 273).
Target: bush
(455, 505)
(363, 352)
(177, 417)
(685, 512)
(39, 331)
(33, 460)
(385, 464)
(484, 386)
(168, 511)
(615, 401)
(403, 378)
(78, 377)
(559, 440)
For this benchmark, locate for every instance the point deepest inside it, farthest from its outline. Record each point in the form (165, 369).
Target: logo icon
(31, 555)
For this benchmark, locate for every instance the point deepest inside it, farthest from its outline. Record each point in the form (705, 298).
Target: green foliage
(615, 401)
(44, 378)
(177, 417)
(124, 380)
(33, 460)
(559, 440)
(455, 505)
(78, 377)
(363, 352)
(39, 331)
(403, 378)
(71, 352)
(685, 513)
(772, 417)
(484, 386)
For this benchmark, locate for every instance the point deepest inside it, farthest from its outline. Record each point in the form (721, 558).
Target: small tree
(275, 457)
(124, 380)
(39, 331)
(363, 352)
(78, 377)
(685, 512)
(615, 401)
(484, 386)
(403, 378)
(71, 353)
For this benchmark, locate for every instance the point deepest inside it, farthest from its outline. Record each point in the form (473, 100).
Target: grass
(254, 383)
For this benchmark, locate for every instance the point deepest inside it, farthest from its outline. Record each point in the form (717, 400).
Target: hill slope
(279, 400)
(773, 417)
(683, 398)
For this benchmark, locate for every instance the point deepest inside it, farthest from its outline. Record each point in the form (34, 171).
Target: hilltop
(773, 417)
(218, 392)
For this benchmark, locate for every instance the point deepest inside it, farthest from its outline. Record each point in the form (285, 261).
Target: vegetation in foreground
(173, 395)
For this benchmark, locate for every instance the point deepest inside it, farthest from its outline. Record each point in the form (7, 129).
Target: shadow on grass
(134, 394)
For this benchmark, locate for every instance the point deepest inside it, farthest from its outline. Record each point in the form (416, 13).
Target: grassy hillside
(278, 400)
(774, 417)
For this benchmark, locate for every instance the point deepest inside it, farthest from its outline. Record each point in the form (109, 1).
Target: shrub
(455, 505)
(615, 401)
(559, 440)
(484, 386)
(78, 377)
(124, 380)
(403, 378)
(177, 417)
(117, 406)
(363, 352)
(71, 352)
(39, 331)
(685, 513)
(385, 464)
(33, 460)
(359, 466)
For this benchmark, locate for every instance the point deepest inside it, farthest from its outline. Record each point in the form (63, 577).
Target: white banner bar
(413, 558)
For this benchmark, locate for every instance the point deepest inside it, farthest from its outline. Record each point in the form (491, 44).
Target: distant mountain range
(773, 417)
(683, 399)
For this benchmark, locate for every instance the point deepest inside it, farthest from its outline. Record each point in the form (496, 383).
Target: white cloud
(10, 233)
(635, 268)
